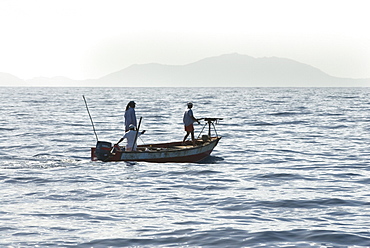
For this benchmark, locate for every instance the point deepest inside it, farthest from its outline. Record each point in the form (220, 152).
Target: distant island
(229, 70)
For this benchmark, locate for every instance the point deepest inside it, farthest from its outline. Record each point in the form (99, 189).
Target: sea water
(291, 170)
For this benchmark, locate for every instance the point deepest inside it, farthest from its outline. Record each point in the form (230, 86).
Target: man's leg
(186, 136)
(192, 137)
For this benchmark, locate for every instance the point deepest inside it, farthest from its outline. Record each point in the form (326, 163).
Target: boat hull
(164, 152)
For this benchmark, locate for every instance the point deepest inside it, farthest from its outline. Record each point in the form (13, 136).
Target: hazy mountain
(54, 81)
(229, 70)
(9, 80)
(225, 70)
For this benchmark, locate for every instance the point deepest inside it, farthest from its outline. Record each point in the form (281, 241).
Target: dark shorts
(189, 128)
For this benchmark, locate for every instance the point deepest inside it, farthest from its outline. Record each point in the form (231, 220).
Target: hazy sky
(83, 39)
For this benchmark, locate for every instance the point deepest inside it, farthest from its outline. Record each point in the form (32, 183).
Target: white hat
(131, 127)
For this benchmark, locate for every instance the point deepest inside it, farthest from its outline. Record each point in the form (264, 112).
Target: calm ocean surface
(292, 169)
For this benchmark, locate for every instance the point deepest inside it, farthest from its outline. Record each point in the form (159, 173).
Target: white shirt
(130, 136)
(188, 117)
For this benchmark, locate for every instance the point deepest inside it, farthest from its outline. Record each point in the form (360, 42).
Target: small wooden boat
(161, 152)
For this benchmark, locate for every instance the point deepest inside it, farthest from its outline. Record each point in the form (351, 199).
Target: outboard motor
(103, 149)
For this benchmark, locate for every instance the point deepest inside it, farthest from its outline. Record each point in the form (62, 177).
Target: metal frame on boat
(162, 152)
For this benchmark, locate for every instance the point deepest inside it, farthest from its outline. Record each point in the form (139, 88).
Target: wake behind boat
(162, 152)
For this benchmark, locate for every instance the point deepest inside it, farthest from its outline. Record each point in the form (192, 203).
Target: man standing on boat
(130, 136)
(188, 120)
(130, 116)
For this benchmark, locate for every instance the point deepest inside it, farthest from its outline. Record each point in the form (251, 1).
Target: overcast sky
(83, 39)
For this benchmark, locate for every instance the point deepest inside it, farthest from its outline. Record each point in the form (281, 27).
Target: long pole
(137, 133)
(92, 123)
